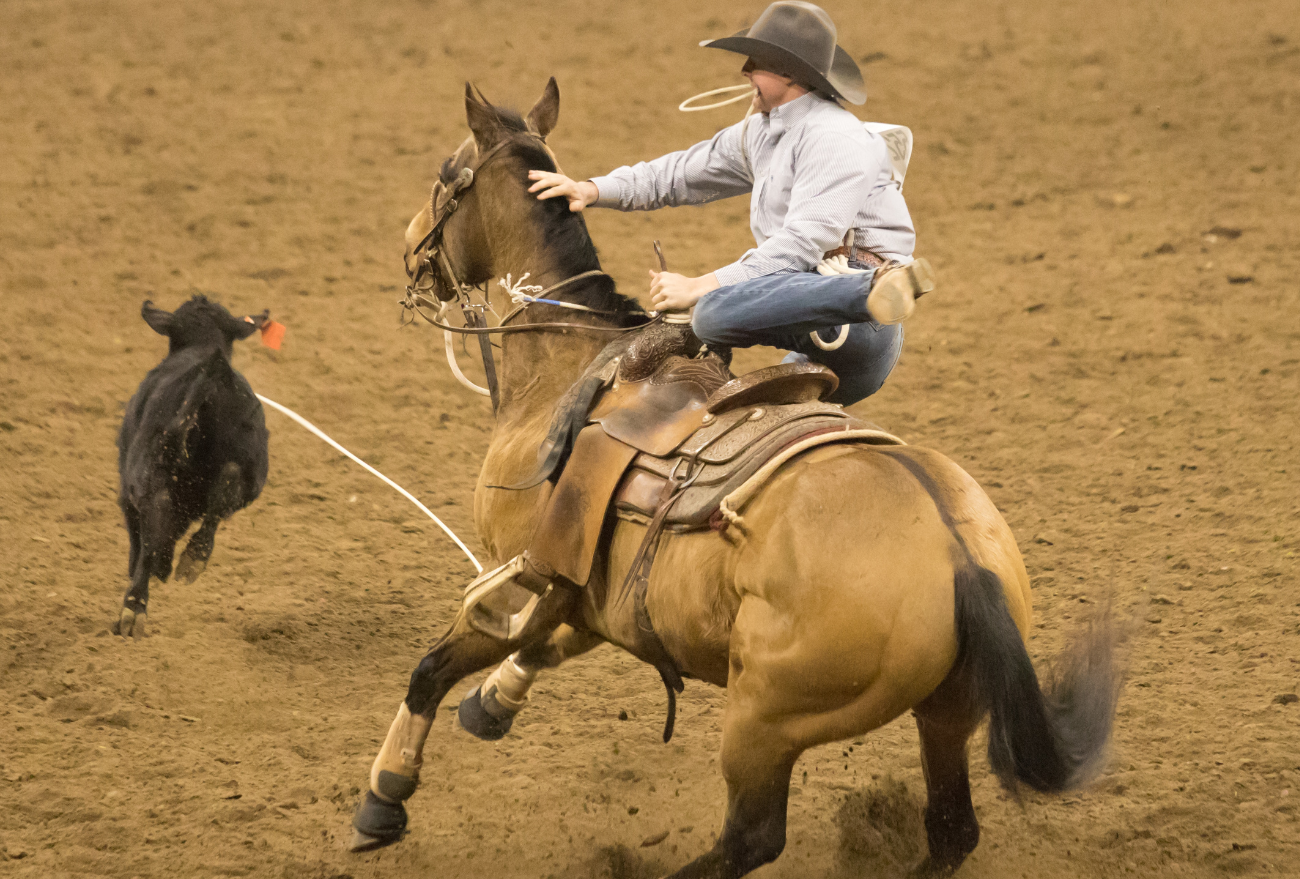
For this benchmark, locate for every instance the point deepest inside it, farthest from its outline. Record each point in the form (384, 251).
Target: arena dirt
(1107, 190)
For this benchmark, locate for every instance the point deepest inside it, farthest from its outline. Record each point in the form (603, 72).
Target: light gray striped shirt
(814, 173)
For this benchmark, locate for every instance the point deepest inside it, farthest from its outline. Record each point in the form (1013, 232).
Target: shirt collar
(787, 116)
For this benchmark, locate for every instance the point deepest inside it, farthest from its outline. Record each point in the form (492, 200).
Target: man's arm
(708, 171)
(834, 176)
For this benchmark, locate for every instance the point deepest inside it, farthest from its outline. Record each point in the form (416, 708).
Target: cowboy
(821, 187)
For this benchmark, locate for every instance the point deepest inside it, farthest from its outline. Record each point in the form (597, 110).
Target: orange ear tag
(272, 333)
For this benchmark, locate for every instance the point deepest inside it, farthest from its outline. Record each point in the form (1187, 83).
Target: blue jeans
(782, 310)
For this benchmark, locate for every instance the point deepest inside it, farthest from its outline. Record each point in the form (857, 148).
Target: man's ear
(158, 320)
(545, 113)
(482, 119)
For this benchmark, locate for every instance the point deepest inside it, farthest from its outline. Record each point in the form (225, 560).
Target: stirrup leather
(501, 602)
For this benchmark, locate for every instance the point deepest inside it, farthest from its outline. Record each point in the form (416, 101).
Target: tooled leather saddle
(660, 430)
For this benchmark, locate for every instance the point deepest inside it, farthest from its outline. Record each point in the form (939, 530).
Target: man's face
(773, 89)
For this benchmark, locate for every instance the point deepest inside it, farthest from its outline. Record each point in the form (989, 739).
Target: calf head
(201, 322)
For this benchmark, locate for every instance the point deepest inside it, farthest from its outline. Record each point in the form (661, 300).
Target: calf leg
(225, 498)
(381, 817)
(152, 539)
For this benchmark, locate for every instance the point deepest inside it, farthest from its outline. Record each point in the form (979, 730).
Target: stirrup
(499, 604)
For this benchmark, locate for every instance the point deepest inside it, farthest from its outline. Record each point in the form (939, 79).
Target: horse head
(469, 210)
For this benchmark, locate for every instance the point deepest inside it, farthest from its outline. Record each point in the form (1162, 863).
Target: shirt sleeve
(834, 176)
(706, 172)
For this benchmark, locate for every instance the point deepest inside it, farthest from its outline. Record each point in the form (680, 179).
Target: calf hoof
(188, 567)
(131, 624)
(377, 823)
(476, 720)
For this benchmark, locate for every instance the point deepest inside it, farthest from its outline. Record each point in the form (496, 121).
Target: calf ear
(242, 328)
(160, 321)
(545, 113)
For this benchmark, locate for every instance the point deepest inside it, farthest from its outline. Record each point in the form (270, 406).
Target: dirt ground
(1108, 191)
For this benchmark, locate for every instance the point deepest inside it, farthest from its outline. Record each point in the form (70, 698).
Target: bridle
(434, 274)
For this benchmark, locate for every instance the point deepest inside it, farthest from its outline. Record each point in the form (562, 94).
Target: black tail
(1050, 741)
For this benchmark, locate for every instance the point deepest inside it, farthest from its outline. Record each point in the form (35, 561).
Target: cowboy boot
(895, 289)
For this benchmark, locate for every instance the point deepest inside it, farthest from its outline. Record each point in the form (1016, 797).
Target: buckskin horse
(861, 581)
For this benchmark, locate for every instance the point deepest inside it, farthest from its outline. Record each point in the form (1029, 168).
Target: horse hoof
(189, 568)
(476, 720)
(364, 842)
(930, 868)
(131, 624)
(377, 823)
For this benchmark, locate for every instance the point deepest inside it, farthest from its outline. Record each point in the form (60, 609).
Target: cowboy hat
(798, 40)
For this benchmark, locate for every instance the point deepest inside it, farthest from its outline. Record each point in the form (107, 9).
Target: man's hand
(670, 291)
(551, 185)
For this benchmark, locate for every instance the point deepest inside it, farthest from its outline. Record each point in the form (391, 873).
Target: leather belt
(858, 255)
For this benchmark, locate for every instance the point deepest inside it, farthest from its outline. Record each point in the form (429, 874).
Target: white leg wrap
(509, 685)
(396, 769)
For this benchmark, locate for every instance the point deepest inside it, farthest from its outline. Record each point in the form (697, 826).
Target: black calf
(192, 446)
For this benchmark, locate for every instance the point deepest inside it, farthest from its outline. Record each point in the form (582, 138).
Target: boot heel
(922, 277)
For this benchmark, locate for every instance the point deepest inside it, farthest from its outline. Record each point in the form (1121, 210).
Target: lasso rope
(747, 90)
(403, 492)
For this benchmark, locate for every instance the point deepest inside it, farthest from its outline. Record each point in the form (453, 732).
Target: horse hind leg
(757, 760)
(223, 500)
(951, 828)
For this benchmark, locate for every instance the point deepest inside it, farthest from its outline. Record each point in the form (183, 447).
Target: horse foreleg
(395, 774)
(489, 710)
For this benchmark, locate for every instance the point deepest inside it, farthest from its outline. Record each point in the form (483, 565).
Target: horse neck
(535, 369)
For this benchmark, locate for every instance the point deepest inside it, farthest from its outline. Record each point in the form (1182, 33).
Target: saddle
(661, 431)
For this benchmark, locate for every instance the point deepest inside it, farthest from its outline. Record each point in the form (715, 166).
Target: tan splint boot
(895, 289)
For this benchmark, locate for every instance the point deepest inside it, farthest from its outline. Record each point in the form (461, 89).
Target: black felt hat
(797, 39)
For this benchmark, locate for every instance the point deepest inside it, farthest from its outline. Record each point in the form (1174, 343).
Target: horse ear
(158, 320)
(482, 118)
(545, 113)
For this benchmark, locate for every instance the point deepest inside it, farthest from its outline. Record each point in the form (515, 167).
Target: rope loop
(748, 94)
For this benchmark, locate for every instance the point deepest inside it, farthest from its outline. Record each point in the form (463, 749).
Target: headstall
(434, 274)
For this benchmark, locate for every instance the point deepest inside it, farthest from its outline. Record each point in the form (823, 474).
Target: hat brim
(843, 81)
